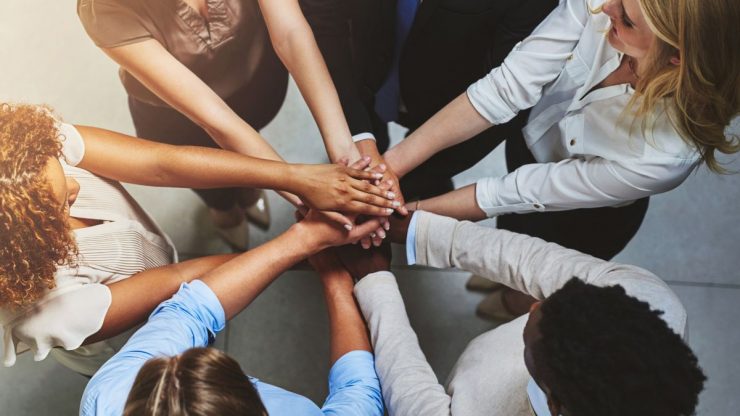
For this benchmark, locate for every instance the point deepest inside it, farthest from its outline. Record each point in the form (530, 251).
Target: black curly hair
(602, 352)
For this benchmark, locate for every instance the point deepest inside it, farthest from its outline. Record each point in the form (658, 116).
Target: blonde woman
(625, 99)
(203, 72)
(80, 261)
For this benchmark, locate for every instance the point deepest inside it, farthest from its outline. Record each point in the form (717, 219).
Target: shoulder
(279, 401)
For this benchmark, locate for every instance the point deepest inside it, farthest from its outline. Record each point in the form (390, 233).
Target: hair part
(602, 352)
(199, 382)
(35, 237)
(702, 92)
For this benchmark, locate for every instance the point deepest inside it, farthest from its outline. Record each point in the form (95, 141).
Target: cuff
(363, 136)
(435, 235)
(488, 196)
(351, 367)
(411, 241)
(486, 101)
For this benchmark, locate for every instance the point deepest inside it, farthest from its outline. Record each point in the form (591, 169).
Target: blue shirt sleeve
(354, 387)
(189, 319)
(411, 241)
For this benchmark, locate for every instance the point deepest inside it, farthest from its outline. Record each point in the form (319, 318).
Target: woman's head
(35, 237)
(691, 59)
(199, 382)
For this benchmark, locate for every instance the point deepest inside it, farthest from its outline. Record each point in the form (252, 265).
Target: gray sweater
(489, 378)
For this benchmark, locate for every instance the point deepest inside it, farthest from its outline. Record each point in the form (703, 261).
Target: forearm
(299, 52)
(347, 327)
(455, 123)
(460, 204)
(238, 282)
(133, 299)
(201, 167)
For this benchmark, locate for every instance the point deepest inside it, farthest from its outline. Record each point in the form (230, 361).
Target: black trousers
(600, 232)
(257, 103)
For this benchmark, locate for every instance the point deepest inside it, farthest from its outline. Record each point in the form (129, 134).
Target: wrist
(393, 160)
(303, 234)
(296, 178)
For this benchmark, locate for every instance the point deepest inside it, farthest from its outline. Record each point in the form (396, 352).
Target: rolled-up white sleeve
(533, 63)
(578, 183)
(73, 146)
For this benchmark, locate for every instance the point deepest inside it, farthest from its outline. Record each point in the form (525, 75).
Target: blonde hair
(35, 237)
(703, 90)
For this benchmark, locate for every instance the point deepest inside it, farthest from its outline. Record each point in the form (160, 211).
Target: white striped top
(127, 242)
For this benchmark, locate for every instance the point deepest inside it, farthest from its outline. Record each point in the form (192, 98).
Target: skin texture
(346, 324)
(124, 158)
(459, 121)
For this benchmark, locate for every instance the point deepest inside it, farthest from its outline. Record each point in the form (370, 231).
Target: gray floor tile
(715, 339)
(283, 337)
(39, 389)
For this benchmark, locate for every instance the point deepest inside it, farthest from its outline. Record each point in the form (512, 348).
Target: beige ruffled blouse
(127, 242)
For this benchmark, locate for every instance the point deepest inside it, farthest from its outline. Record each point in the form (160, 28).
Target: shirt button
(573, 141)
(570, 57)
(538, 206)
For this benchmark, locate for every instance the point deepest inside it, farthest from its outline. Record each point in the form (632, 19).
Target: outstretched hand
(361, 262)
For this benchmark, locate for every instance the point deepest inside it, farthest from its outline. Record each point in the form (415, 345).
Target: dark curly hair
(605, 353)
(35, 237)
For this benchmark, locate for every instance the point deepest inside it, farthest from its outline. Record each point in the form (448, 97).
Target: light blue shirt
(537, 397)
(191, 319)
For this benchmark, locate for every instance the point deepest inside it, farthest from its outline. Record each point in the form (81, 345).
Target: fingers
(340, 219)
(372, 209)
(364, 188)
(364, 175)
(360, 164)
(364, 229)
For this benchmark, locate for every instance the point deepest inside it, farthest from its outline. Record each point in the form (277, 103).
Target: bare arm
(460, 204)
(175, 84)
(129, 159)
(348, 330)
(453, 124)
(133, 299)
(296, 46)
(238, 282)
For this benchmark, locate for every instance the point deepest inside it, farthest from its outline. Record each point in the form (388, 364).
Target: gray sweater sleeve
(409, 385)
(532, 265)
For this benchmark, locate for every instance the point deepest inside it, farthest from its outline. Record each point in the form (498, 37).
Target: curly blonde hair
(35, 237)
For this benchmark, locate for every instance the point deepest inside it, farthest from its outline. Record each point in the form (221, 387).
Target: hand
(369, 148)
(325, 261)
(320, 231)
(399, 228)
(334, 187)
(360, 262)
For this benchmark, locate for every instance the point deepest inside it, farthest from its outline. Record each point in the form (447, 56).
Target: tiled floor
(690, 238)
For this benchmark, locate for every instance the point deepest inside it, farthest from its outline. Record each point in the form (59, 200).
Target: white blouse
(126, 242)
(590, 153)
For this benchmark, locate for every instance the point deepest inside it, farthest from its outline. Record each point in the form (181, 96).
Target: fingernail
(389, 210)
(348, 227)
(396, 204)
(366, 158)
(382, 166)
(391, 195)
(381, 233)
(387, 226)
(372, 235)
(377, 175)
(389, 182)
